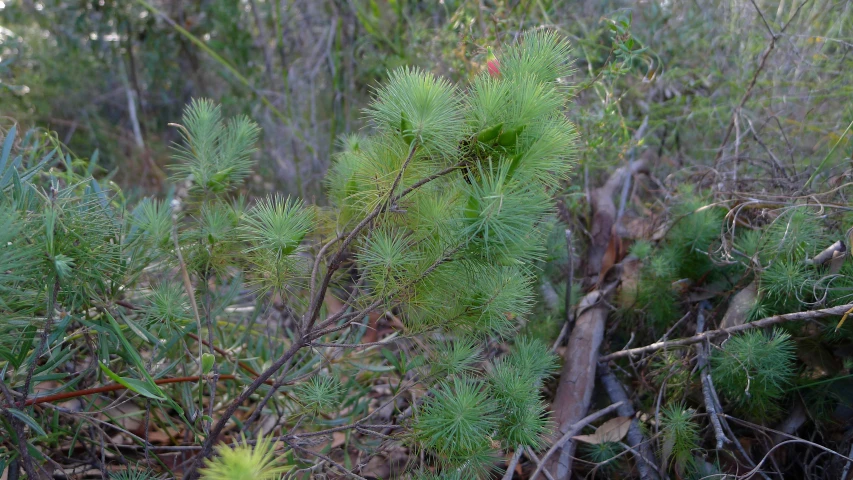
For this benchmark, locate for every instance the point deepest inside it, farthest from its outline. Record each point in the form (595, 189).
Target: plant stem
(113, 387)
(45, 336)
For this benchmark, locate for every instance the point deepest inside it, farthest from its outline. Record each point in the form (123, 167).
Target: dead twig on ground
(570, 432)
(710, 334)
(702, 351)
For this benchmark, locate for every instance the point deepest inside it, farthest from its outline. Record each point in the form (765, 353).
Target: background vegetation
(720, 131)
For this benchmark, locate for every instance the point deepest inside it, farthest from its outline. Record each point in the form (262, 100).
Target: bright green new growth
(752, 371)
(244, 462)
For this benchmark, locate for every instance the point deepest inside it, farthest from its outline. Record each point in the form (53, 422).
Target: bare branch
(571, 431)
(764, 322)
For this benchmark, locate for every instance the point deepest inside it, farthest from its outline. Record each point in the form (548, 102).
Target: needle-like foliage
(216, 153)
(752, 371)
(438, 222)
(244, 462)
(422, 108)
(320, 394)
(680, 437)
(456, 425)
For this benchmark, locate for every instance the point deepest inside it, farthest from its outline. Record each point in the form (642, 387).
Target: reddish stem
(112, 388)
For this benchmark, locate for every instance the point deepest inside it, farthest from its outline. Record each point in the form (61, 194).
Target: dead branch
(636, 440)
(570, 432)
(510, 468)
(710, 334)
(577, 379)
(702, 351)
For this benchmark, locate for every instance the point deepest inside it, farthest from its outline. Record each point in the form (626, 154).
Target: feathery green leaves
(420, 108)
(320, 394)
(216, 153)
(680, 437)
(274, 230)
(542, 54)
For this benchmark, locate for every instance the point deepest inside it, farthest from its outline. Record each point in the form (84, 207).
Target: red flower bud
(494, 68)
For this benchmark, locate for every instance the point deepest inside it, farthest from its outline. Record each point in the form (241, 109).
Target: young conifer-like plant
(753, 371)
(680, 438)
(438, 216)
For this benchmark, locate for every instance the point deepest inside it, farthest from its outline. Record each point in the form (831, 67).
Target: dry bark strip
(577, 379)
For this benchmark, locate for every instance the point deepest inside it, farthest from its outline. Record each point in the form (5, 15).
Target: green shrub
(438, 217)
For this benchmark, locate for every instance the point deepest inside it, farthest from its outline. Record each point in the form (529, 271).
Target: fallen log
(577, 379)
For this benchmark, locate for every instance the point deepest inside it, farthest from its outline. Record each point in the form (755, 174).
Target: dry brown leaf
(613, 430)
(338, 439)
(739, 306)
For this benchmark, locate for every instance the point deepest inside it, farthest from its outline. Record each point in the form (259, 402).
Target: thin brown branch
(424, 181)
(510, 468)
(710, 334)
(335, 264)
(761, 63)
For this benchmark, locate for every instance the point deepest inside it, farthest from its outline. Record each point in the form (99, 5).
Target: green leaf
(7, 147)
(34, 426)
(406, 128)
(207, 361)
(93, 163)
(151, 391)
(139, 331)
(137, 360)
(128, 348)
(513, 165)
(372, 368)
(509, 139)
(489, 134)
(472, 208)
